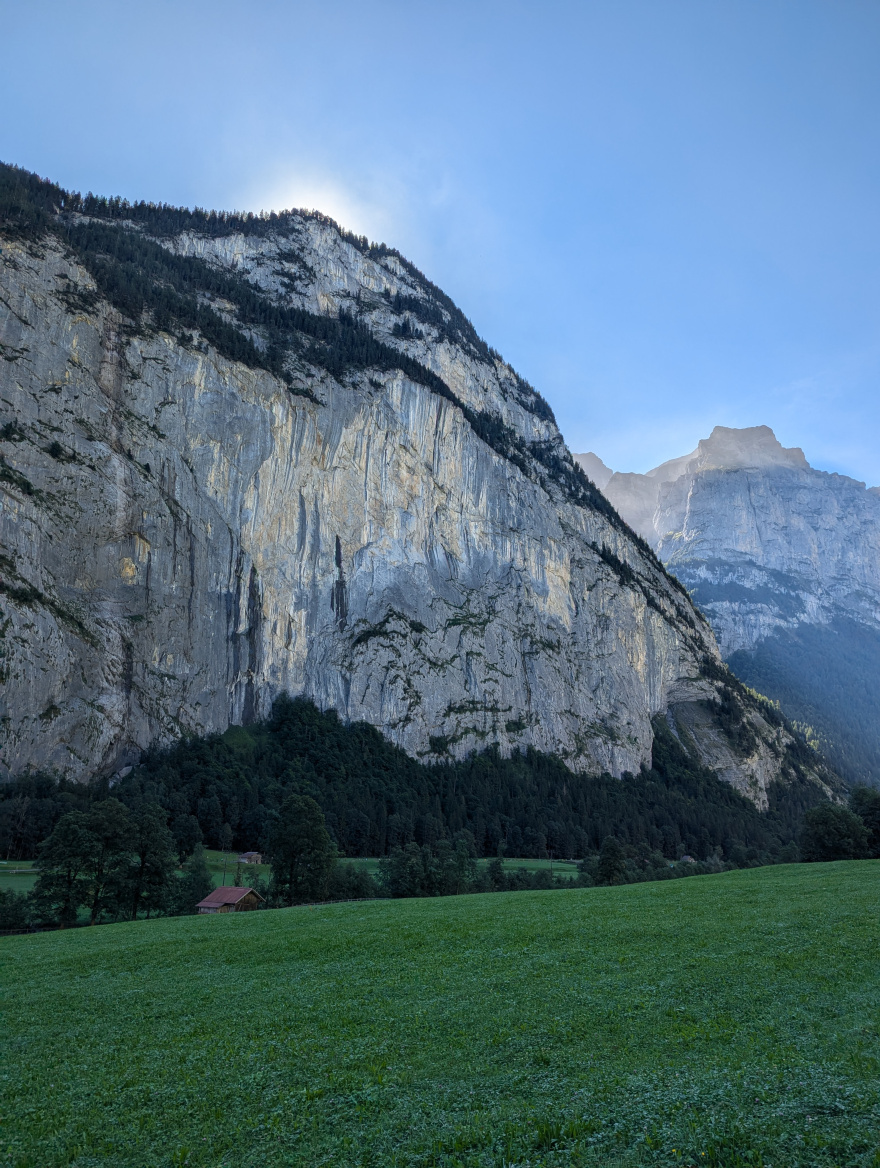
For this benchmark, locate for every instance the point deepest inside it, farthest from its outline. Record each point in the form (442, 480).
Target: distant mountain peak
(595, 468)
(728, 448)
(784, 560)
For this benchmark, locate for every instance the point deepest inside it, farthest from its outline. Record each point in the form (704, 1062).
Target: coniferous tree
(865, 802)
(15, 910)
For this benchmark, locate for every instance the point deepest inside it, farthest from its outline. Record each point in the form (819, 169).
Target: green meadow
(17, 875)
(724, 1020)
(223, 864)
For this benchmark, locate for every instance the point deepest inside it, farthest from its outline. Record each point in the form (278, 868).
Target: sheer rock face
(185, 538)
(764, 541)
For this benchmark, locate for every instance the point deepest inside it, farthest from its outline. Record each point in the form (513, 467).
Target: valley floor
(724, 1020)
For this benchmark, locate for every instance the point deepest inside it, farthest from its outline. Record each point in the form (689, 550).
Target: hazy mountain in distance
(595, 468)
(784, 560)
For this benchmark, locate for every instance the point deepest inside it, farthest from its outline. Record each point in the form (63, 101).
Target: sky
(664, 215)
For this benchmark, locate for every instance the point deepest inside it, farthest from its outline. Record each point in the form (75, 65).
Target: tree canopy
(300, 851)
(833, 833)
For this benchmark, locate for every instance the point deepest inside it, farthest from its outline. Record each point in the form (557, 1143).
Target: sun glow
(353, 210)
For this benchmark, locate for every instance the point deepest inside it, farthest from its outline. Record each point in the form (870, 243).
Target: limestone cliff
(366, 506)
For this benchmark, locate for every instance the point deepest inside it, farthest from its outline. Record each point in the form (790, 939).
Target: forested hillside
(826, 677)
(225, 790)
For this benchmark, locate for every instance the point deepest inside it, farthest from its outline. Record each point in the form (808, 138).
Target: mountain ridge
(253, 457)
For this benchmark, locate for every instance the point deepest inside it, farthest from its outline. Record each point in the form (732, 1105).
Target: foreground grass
(724, 1020)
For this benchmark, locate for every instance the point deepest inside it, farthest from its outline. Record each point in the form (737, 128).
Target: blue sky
(664, 214)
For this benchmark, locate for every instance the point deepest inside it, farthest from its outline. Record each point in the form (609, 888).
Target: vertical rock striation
(369, 508)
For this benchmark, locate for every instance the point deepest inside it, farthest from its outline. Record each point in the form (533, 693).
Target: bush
(14, 911)
(351, 882)
(439, 869)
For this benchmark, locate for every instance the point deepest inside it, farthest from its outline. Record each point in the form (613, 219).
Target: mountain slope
(785, 562)
(247, 456)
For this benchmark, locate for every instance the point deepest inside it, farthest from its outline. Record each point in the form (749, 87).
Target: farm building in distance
(229, 899)
(250, 858)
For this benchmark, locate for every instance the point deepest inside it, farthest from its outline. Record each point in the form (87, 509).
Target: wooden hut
(250, 858)
(227, 899)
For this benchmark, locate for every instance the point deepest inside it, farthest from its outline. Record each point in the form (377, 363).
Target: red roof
(226, 894)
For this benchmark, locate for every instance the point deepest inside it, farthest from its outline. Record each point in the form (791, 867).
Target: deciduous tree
(612, 862)
(62, 862)
(833, 833)
(154, 861)
(300, 851)
(194, 885)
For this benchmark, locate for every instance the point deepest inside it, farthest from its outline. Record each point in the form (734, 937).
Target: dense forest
(226, 790)
(112, 855)
(826, 677)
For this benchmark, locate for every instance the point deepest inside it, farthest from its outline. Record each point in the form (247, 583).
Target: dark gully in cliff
(250, 456)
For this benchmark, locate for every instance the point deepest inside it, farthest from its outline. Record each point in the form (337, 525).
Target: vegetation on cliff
(826, 677)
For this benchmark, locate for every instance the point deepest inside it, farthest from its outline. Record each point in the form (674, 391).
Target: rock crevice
(423, 555)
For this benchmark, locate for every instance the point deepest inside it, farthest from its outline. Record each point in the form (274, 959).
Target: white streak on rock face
(206, 540)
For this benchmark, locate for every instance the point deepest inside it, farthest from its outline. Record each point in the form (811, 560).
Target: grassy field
(220, 863)
(724, 1020)
(18, 875)
(558, 867)
(224, 863)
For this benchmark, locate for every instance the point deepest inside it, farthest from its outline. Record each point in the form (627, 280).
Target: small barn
(250, 858)
(227, 899)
